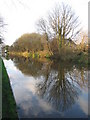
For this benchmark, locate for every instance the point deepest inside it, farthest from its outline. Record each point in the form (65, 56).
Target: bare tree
(83, 41)
(43, 28)
(62, 23)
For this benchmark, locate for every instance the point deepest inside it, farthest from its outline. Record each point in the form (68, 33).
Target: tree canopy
(28, 42)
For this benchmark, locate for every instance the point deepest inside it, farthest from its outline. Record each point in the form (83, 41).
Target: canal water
(48, 89)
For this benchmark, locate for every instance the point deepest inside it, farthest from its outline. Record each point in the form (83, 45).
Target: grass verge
(8, 101)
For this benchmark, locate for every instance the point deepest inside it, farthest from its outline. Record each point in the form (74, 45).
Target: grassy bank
(8, 102)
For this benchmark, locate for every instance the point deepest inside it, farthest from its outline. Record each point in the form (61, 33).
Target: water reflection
(60, 87)
(57, 85)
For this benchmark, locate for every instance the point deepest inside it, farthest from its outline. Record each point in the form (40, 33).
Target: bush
(47, 55)
(30, 55)
(33, 55)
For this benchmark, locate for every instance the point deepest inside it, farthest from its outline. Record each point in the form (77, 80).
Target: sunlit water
(48, 89)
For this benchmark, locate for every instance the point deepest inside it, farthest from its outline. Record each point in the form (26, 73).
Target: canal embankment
(9, 109)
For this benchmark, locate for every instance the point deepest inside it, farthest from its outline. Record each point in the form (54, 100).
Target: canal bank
(8, 101)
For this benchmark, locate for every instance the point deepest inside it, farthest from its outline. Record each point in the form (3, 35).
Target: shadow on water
(59, 84)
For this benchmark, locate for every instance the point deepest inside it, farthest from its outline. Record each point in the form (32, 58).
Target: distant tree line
(34, 42)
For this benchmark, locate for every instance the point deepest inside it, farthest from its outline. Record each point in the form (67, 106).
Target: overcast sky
(22, 18)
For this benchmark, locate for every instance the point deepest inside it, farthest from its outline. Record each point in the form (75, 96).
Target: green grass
(8, 101)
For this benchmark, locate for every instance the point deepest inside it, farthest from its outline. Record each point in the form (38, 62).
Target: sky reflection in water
(48, 89)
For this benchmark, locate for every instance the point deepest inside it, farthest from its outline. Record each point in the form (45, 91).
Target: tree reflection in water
(61, 83)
